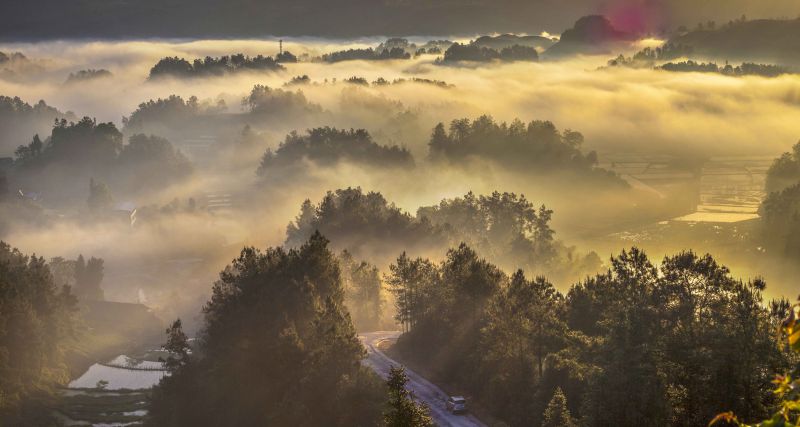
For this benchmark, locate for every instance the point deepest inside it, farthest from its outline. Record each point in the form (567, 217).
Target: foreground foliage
(505, 227)
(277, 348)
(403, 411)
(787, 386)
(37, 320)
(638, 345)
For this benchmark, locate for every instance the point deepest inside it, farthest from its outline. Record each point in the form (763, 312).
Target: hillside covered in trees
(19, 120)
(536, 148)
(780, 211)
(277, 327)
(37, 326)
(746, 69)
(475, 52)
(77, 152)
(207, 67)
(367, 54)
(505, 227)
(761, 40)
(619, 344)
(328, 146)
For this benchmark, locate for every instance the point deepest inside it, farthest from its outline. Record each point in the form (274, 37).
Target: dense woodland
(19, 120)
(642, 344)
(180, 119)
(181, 68)
(537, 147)
(530, 354)
(328, 146)
(768, 40)
(367, 54)
(77, 152)
(37, 327)
(748, 41)
(268, 102)
(667, 52)
(284, 311)
(478, 53)
(746, 69)
(780, 211)
(506, 227)
(508, 40)
(277, 327)
(657, 58)
(365, 224)
(172, 112)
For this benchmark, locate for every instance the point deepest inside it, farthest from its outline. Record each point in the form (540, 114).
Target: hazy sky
(48, 19)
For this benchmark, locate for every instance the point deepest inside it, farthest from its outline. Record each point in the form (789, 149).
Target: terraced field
(102, 408)
(111, 394)
(727, 189)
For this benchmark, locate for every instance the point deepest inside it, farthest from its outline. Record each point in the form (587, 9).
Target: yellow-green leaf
(725, 416)
(794, 336)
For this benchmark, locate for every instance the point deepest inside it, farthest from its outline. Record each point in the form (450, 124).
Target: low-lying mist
(176, 248)
(640, 110)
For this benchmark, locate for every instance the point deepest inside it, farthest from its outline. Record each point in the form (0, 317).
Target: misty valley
(586, 217)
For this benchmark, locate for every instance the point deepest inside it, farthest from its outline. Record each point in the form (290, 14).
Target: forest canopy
(37, 325)
(76, 152)
(277, 327)
(209, 66)
(479, 53)
(780, 210)
(19, 120)
(537, 147)
(367, 54)
(506, 227)
(328, 146)
(618, 344)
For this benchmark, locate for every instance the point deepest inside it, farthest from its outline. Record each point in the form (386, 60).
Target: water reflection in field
(728, 189)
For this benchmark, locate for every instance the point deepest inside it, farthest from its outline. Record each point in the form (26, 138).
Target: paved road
(423, 389)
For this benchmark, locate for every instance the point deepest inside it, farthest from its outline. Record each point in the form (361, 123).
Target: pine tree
(177, 345)
(440, 142)
(557, 414)
(37, 324)
(403, 411)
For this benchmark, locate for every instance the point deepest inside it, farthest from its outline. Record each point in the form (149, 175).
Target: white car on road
(457, 404)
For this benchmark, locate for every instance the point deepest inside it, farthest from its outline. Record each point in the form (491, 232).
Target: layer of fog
(618, 110)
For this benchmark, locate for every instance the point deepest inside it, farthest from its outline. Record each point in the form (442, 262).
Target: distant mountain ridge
(593, 34)
(763, 40)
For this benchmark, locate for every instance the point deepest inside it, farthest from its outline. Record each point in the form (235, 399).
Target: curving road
(423, 389)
